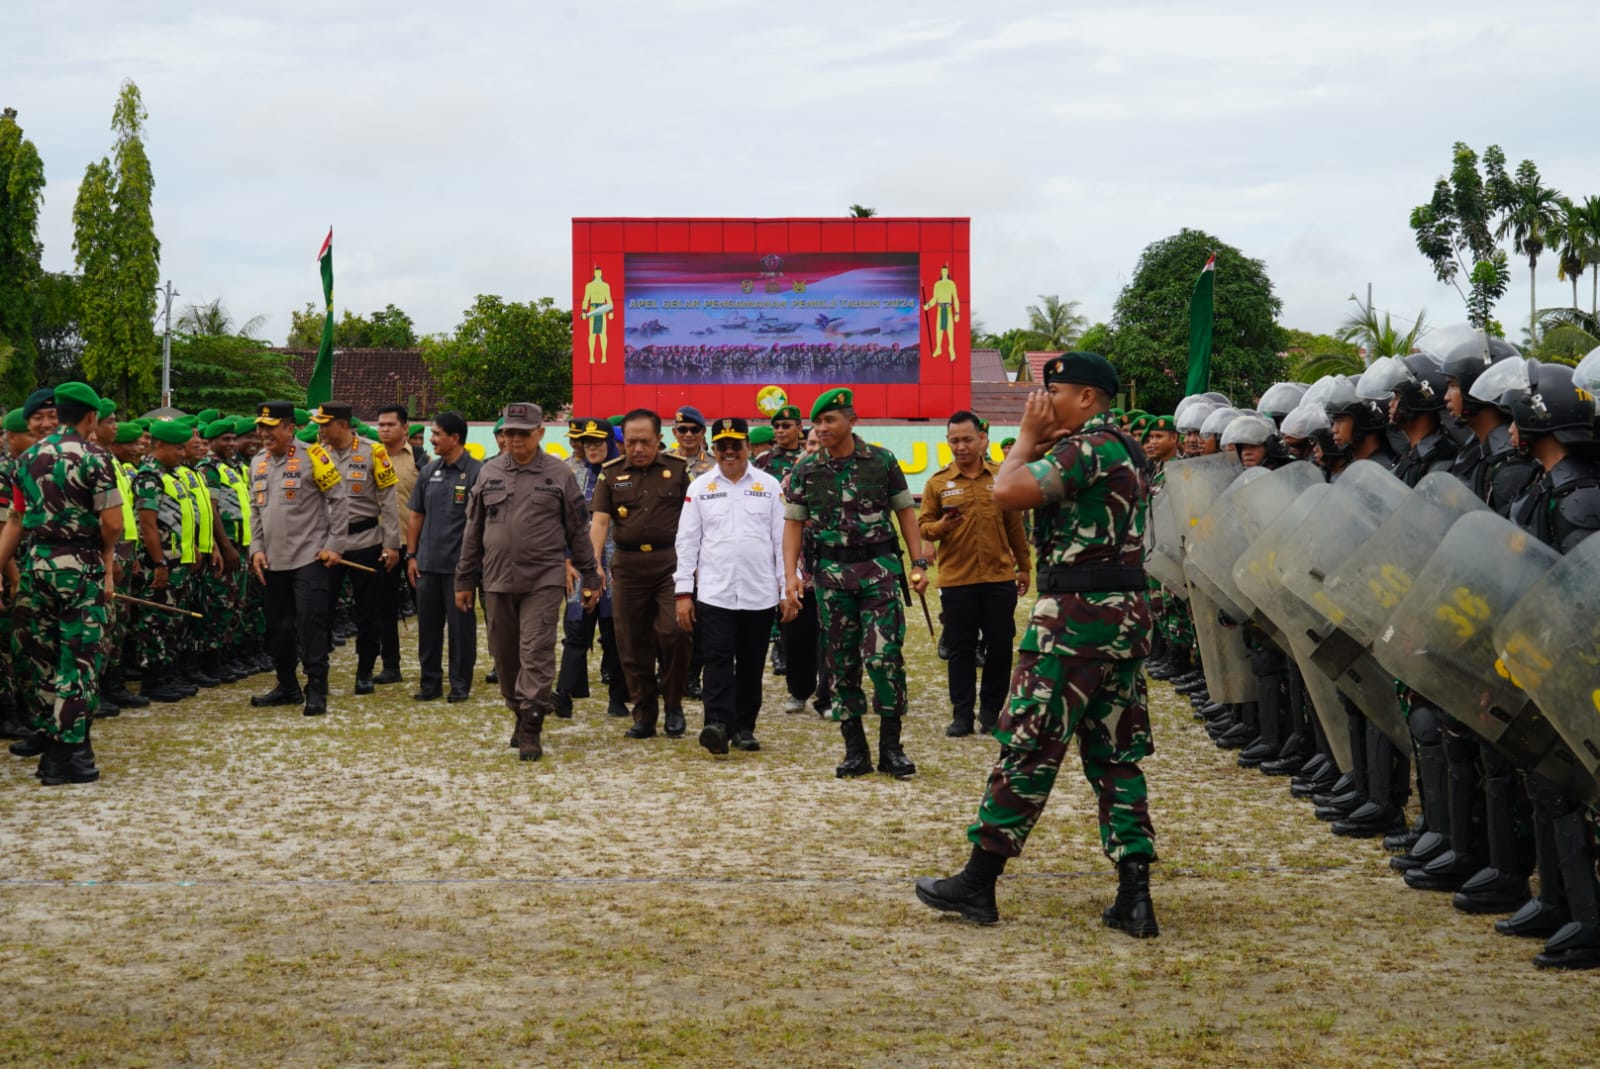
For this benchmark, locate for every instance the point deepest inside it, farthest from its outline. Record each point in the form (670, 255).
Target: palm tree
(1057, 321)
(1380, 338)
(861, 211)
(213, 320)
(1591, 227)
(1574, 251)
(1531, 220)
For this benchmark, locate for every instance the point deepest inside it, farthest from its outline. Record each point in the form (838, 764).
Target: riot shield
(1361, 593)
(1240, 514)
(1223, 655)
(1372, 690)
(1213, 545)
(1440, 638)
(1549, 644)
(1164, 559)
(1195, 483)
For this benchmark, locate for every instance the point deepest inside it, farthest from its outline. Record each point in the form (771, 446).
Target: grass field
(390, 886)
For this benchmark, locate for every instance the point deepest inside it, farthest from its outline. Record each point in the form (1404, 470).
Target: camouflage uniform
(157, 633)
(10, 669)
(1078, 668)
(698, 465)
(62, 485)
(779, 462)
(223, 594)
(847, 504)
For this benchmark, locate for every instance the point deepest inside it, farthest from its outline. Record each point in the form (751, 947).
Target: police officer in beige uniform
(374, 535)
(639, 497)
(524, 514)
(298, 526)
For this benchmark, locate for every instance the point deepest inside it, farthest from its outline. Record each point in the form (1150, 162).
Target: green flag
(1199, 330)
(320, 388)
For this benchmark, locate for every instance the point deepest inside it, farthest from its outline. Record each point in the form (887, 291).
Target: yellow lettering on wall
(918, 461)
(945, 455)
(995, 454)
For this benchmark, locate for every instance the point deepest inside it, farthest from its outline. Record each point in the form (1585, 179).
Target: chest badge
(758, 488)
(666, 474)
(622, 512)
(711, 487)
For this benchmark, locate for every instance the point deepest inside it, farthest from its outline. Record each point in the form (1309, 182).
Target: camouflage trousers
(221, 599)
(157, 633)
(862, 629)
(60, 637)
(1176, 623)
(1054, 698)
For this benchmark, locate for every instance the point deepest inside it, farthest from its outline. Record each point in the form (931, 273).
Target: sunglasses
(689, 428)
(510, 432)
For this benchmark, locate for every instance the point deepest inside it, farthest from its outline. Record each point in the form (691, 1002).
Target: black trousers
(802, 642)
(392, 590)
(988, 609)
(437, 613)
(298, 613)
(577, 640)
(734, 643)
(366, 595)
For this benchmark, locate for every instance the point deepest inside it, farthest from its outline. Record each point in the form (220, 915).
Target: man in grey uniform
(298, 520)
(524, 513)
(374, 534)
(437, 512)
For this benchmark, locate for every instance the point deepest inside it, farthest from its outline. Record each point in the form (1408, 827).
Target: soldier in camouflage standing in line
(846, 492)
(66, 500)
(1078, 667)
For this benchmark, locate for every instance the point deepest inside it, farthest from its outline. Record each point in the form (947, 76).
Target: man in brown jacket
(524, 514)
(983, 569)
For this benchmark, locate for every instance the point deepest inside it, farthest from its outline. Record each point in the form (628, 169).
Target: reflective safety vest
(195, 483)
(130, 524)
(181, 542)
(236, 480)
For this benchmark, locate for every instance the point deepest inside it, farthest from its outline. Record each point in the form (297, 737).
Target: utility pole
(166, 345)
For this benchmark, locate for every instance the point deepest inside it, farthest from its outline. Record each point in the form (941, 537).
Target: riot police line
(1392, 571)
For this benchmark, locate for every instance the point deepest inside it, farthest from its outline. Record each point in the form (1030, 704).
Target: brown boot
(529, 747)
(516, 732)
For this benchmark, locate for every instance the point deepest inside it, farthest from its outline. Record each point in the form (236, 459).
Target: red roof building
(369, 379)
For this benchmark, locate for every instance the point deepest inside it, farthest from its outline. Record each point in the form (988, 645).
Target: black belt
(1086, 578)
(856, 554)
(646, 547)
(363, 526)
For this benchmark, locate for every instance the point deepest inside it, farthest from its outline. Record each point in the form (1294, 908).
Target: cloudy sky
(451, 144)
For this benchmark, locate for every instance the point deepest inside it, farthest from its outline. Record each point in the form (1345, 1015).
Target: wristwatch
(922, 562)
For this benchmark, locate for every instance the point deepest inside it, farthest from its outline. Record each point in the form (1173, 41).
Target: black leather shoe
(492, 677)
(364, 685)
(617, 708)
(693, 690)
(426, 695)
(563, 705)
(282, 694)
(746, 741)
(958, 895)
(456, 697)
(959, 727)
(640, 731)
(674, 725)
(388, 675)
(714, 737)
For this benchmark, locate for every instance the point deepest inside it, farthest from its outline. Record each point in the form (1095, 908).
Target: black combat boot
(116, 689)
(1133, 912)
(287, 692)
(389, 674)
(1544, 915)
(160, 685)
(1577, 944)
(54, 763)
(530, 747)
(969, 892)
(211, 664)
(1456, 863)
(1503, 885)
(195, 672)
(316, 697)
(80, 760)
(988, 720)
(960, 726)
(563, 705)
(857, 755)
(34, 744)
(891, 758)
(11, 725)
(364, 683)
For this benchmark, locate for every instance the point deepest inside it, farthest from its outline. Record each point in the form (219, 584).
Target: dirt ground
(390, 886)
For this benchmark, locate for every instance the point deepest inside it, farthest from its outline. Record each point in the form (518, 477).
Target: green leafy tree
(227, 371)
(305, 328)
(120, 258)
(1311, 356)
(1563, 343)
(1057, 321)
(1591, 227)
(1455, 229)
(1150, 323)
(212, 319)
(392, 329)
(1531, 217)
(57, 339)
(1015, 345)
(1576, 247)
(861, 211)
(1380, 337)
(21, 194)
(504, 351)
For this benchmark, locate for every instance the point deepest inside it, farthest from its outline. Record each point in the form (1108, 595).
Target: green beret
(171, 431)
(615, 421)
(309, 434)
(208, 416)
(217, 428)
(788, 412)
(414, 430)
(1159, 423)
(1007, 443)
(1119, 413)
(1137, 413)
(1136, 423)
(763, 435)
(302, 416)
(244, 425)
(368, 433)
(107, 407)
(189, 421)
(142, 424)
(43, 397)
(833, 400)
(128, 432)
(16, 422)
(79, 393)
(1082, 369)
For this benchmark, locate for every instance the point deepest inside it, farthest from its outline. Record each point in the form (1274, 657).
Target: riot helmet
(1217, 422)
(1586, 376)
(1553, 405)
(1502, 378)
(1471, 358)
(1334, 393)
(1280, 399)
(1192, 416)
(1416, 381)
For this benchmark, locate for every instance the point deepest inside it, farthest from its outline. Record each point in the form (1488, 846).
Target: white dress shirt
(731, 533)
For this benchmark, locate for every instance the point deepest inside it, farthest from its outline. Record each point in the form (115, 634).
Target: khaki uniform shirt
(644, 503)
(989, 545)
(522, 520)
(370, 481)
(298, 506)
(405, 469)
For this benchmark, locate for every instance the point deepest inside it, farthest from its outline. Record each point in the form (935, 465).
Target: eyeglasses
(688, 428)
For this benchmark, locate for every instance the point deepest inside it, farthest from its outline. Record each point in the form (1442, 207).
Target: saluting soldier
(299, 519)
(373, 538)
(1078, 667)
(846, 493)
(525, 513)
(639, 498)
(67, 503)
